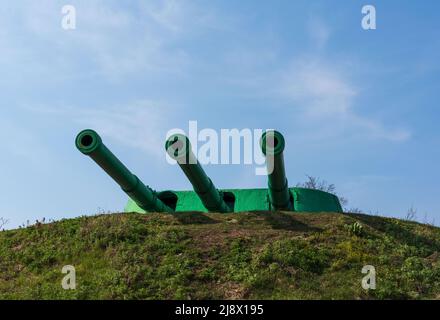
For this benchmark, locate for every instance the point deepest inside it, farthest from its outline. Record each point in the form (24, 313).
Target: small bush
(355, 229)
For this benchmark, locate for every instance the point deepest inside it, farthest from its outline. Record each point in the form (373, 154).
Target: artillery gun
(205, 197)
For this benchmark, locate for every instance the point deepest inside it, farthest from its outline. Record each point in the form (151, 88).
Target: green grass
(222, 256)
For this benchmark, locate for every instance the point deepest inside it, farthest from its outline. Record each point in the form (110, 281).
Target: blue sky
(357, 108)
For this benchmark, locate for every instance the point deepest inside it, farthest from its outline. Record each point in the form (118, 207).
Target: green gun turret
(205, 197)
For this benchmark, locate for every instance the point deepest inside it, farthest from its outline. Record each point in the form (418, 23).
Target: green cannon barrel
(272, 144)
(90, 144)
(179, 148)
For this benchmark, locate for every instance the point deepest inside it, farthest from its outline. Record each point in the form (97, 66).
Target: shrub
(355, 229)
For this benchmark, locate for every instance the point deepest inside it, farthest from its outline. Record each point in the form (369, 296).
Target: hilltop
(192, 255)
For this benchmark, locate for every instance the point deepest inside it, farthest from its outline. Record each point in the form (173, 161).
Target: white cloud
(326, 100)
(141, 125)
(170, 14)
(110, 39)
(322, 91)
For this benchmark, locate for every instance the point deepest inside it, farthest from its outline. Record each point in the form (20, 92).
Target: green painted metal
(311, 200)
(90, 144)
(206, 197)
(304, 200)
(272, 145)
(179, 148)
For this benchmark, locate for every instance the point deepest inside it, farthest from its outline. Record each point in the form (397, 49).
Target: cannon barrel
(179, 148)
(90, 144)
(272, 144)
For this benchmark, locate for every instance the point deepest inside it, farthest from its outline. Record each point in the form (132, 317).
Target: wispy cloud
(172, 15)
(321, 90)
(110, 40)
(318, 90)
(141, 125)
(327, 99)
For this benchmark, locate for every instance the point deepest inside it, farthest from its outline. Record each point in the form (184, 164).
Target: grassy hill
(224, 256)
